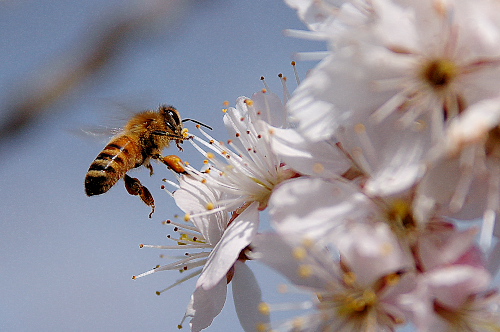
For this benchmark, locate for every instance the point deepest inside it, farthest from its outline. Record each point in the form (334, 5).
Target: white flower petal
(316, 208)
(270, 108)
(272, 250)
(372, 251)
(206, 305)
(452, 285)
(192, 198)
(323, 158)
(247, 297)
(237, 236)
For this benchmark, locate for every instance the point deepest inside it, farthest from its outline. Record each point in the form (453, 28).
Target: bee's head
(172, 119)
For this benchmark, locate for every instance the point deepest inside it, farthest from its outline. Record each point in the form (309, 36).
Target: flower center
(264, 194)
(353, 302)
(439, 73)
(401, 219)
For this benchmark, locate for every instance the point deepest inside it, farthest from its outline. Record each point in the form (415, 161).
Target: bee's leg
(174, 163)
(150, 167)
(178, 143)
(135, 187)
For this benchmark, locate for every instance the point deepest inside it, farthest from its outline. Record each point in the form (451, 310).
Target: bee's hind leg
(135, 187)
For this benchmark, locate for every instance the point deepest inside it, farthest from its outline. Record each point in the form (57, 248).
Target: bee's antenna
(197, 122)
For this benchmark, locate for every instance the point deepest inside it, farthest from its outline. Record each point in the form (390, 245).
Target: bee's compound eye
(171, 127)
(175, 116)
(171, 115)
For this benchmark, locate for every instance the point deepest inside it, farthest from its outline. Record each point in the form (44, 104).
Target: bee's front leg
(135, 187)
(178, 143)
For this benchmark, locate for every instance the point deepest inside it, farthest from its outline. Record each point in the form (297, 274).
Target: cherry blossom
(221, 239)
(349, 294)
(380, 177)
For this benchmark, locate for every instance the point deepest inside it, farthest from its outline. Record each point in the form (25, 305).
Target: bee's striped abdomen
(116, 159)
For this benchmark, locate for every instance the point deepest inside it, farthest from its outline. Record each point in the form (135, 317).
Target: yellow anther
(360, 128)
(369, 297)
(187, 217)
(392, 279)
(318, 168)
(210, 155)
(300, 253)
(262, 327)
(210, 206)
(305, 271)
(307, 242)
(358, 305)
(349, 278)
(387, 249)
(264, 308)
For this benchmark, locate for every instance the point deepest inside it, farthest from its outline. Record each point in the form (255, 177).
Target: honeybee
(143, 138)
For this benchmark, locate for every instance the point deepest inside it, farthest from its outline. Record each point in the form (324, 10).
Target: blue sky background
(66, 260)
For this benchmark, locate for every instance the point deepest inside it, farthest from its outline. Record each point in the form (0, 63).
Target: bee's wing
(100, 131)
(101, 134)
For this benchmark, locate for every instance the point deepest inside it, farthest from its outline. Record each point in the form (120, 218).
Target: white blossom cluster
(381, 176)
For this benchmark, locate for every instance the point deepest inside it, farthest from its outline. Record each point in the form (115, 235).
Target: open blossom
(413, 58)
(246, 168)
(358, 293)
(215, 241)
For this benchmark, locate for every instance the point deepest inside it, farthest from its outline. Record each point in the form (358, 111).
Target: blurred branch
(64, 75)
